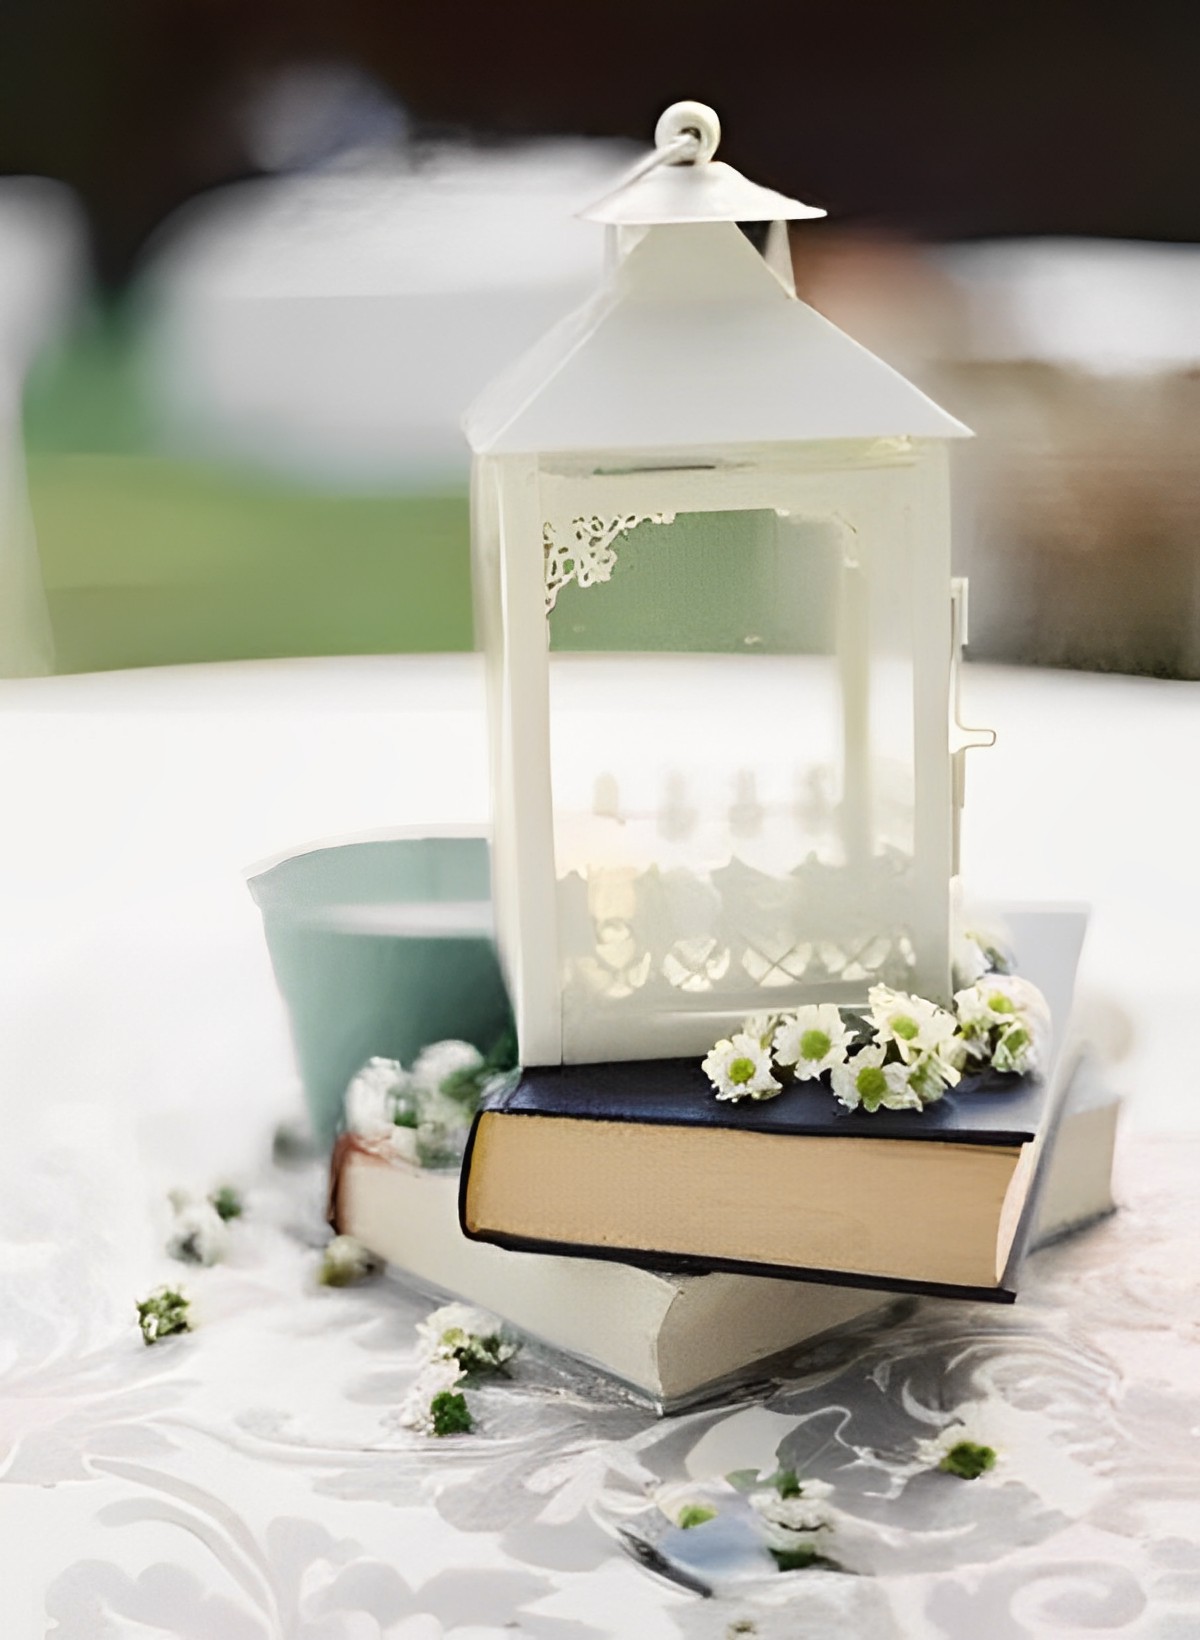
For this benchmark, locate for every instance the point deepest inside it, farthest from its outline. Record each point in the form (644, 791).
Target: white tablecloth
(250, 1481)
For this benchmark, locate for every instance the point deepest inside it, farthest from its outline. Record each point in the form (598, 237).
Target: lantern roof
(692, 341)
(695, 193)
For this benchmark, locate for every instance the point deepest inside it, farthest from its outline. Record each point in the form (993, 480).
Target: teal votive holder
(380, 947)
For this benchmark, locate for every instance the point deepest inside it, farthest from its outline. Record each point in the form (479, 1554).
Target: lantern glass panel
(733, 773)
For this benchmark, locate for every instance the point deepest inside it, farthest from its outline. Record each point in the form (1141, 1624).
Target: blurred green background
(152, 559)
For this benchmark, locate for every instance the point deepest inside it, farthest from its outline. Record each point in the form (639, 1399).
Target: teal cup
(379, 948)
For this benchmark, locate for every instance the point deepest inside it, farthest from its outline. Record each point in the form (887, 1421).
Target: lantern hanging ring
(687, 133)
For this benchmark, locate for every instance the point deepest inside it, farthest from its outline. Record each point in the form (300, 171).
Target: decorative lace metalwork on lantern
(590, 555)
(733, 933)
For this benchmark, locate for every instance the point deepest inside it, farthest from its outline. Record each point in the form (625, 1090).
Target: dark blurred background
(255, 259)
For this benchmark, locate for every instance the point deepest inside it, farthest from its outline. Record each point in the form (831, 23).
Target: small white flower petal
(968, 960)
(370, 1099)
(199, 1235)
(739, 1067)
(804, 1513)
(846, 1077)
(460, 1318)
(435, 1378)
(813, 1040)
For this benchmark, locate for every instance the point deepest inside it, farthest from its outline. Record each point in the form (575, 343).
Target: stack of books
(623, 1214)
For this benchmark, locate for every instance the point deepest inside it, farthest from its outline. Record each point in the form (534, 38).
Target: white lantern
(712, 571)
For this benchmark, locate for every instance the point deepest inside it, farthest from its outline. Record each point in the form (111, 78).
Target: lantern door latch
(963, 738)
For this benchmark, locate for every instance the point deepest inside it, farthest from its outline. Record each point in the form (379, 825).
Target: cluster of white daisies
(420, 1115)
(902, 1055)
(458, 1345)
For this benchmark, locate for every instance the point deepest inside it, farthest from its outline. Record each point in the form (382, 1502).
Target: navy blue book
(638, 1162)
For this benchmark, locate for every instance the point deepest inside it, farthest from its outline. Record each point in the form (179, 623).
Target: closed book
(637, 1161)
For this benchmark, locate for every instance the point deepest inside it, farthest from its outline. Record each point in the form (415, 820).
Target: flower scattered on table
(459, 1345)
(163, 1314)
(198, 1233)
(423, 1115)
(226, 1203)
(345, 1262)
(449, 1414)
(470, 1336)
(964, 1447)
(436, 1379)
(796, 1519)
(749, 1524)
(968, 1460)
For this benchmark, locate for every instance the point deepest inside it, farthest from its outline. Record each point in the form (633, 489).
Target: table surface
(250, 1480)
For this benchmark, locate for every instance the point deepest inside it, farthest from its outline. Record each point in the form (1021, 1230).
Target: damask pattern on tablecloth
(251, 1480)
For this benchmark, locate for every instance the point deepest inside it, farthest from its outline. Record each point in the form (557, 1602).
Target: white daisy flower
(1030, 1002)
(761, 1026)
(692, 1503)
(995, 1000)
(969, 1445)
(1016, 1051)
(968, 960)
(454, 1318)
(739, 1067)
(199, 1235)
(471, 1337)
(975, 1010)
(345, 1262)
(788, 1521)
(1003, 1009)
(929, 1076)
(370, 1100)
(867, 1081)
(813, 1039)
(442, 1060)
(435, 1378)
(915, 1026)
